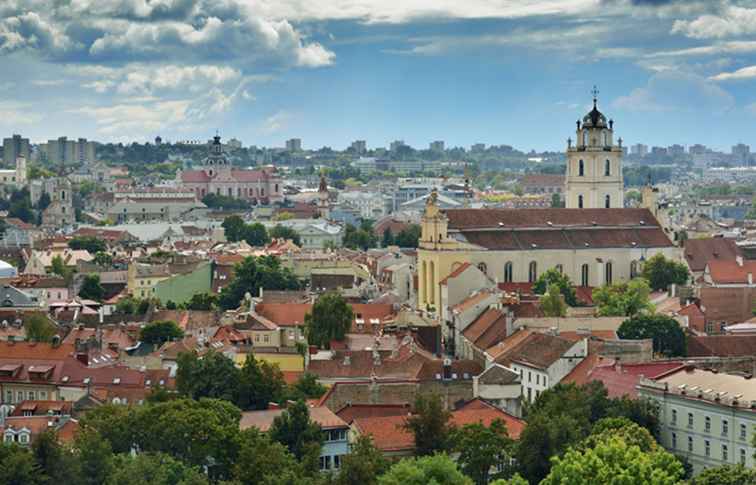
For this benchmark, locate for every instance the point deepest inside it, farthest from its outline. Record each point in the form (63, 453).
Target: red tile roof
(537, 350)
(488, 329)
(41, 408)
(699, 252)
(350, 412)
(460, 269)
(478, 411)
(262, 420)
(722, 346)
(724, 272)
(619, 380)
(463, 219)
(33, 350)
(388, 432)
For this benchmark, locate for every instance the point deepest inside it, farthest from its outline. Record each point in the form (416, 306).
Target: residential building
(69, 152)
(727, 293)
(359, 147)
(369, 205)
(396, 145)
(294, 145)
(156, 208)
(741, 152)
(14, 148)
(639, 149)
(437, 146)
(40, 261)
(217, 176)
(542, 184)
(314, 233)
(14, 178)
(706, 417)
(594, 165)
(676, 150)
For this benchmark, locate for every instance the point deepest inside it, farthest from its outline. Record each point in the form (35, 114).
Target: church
(217, 176)
(594, 240)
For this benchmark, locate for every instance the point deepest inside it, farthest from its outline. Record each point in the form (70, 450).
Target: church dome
(595, 118)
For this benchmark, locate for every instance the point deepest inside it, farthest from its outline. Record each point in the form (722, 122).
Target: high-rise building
(396, 145)
(359, 147)
(294, 145)
(594, 165)
(659, 151)
(15, 147)
(741, 152)
(697, 149)
(69, 152)
(437, 146)
(676, 150)
(478, 147)
(639, 149)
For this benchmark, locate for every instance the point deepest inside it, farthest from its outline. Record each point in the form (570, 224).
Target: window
(742, 456)
(607, 201)
(580, 201)
(325, 462)
(581, 168)
(633, 269)
(9, 399)
(483, 268)
(707, 448)
(725, 427)
(530, 376)
(607, 168)
(532, 272)
(8, 437)
(743, 431)
(559, 268)
(584, 275)
(725, 453)
(608, 273)
(336, 462)
(23, 438)
(31, 395)
(690, 444)
(674, 416)
(690, 420)
(508, 272)
(707, 425)
(674, 441)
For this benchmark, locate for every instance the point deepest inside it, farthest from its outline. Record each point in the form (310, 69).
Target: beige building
(594, 165)
(15, 177)
(69, 152)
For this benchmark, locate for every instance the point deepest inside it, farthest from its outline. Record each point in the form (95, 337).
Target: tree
(91, 244)
(515, 480)
(21, 206)
(202, 301)
(253, 274)
(160, 331)
(613, 461)
(725, 475)
(429, 425)
(552, 303)
(662, 272)
(94, 457)
(482, 448)
(17, 466)
(408, 237)
(113, 423)
(330, 319)
(256, 234)
(556, 201)
(51, 459)
(623, 299)
(260, 459)
(388, 238)
(103, 259)
(630, 432)
(260, 383)
(233, 227)
(43, 202)
(91, 288)
(58, 267)
(554, 277)
(283, 232)
(362, 238)
(363, 465)
(212, 376)
(306, 387)
(668, 337)
(153, 469)
(38, 328)
(438, 469)
(294, 429)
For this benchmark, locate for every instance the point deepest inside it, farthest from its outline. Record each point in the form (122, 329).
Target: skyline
(509, 72)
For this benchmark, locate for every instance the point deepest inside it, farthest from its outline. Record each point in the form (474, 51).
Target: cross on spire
(595, 93)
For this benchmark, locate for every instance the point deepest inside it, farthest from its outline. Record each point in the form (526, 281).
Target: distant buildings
(639, 149)
(15, 147)
(294, 145)
(16, 177)
(359, 147)
(676, 150)
(741, 152)
(396, 145)
(478, 147)
(437, 146)
(69, 152)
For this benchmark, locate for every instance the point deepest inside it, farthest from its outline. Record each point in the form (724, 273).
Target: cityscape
(234, 252)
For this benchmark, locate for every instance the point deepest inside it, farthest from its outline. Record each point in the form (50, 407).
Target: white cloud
(136, 119)
(743, 73)
(14, 113)
(732, 21)
(29, 31)
(677, 91)
(48, 82)
(275, 123)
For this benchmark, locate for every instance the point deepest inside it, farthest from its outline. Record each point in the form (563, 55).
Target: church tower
(324, 202)
(594, 164)
(216, 161)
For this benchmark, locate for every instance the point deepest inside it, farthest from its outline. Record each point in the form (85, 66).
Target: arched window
(532, 272)
(608, 273)
(559, 268)
(508, 272)
(483, 268)
(432, 285)
(581, 168)
(633, 269)
(584, 275)
(580, 201)
(607, 201)
(607, 168)
(424, 279)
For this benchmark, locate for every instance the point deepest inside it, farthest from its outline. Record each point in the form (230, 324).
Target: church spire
(595, 93)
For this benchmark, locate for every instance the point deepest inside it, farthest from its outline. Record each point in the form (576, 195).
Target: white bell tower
(594, 164)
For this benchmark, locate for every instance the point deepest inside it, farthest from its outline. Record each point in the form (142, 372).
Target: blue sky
(515, 72)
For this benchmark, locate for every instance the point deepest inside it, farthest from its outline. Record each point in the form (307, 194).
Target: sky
(515, 72)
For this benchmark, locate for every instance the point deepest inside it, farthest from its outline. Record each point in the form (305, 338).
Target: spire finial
(595, 93)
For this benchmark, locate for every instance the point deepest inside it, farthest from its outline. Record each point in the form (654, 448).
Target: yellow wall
(286, 362)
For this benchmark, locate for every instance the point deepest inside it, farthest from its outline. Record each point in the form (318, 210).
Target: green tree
(38, 328)
(388, 238)
(113, 423)
(260, 383)
(91, 244)
(556, 201)
(94, 457)
(91, 289)
(623, 299)
(330, 319)
(481, 448)
(294, 429)
(363, 465)
(21, 206)
(630, 432)
(725, 475)
(43, 202)
(153, 469)
(126, 306)
(438, 469)
(614, 462)
(202, 301)
(515, 480)
(359, 238)
(662, 272)
(667, 335)
(51, 459)
(253, 274)
(58, 267)
(260, 459)
(17, 466)
(256, 235)
(284, 232)
(160, 331)
(103, 259)
(212, 376)
(554, 277)
(408, 237)
(306, 387)
(233, 227)
(552, 303)
(430, 425)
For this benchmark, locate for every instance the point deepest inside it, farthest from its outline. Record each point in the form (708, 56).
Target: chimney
(750, 278)
(739, 260)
